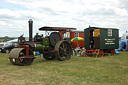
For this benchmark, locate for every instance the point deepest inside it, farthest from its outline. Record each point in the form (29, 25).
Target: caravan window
(76, 34)
(109, 32)
(66, 35)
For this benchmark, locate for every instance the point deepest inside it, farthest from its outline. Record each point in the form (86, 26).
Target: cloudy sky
(14, 15)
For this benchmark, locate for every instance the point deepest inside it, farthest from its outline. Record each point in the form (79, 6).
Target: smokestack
(30, 29)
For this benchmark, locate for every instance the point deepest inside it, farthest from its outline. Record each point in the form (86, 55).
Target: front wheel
(15, 55)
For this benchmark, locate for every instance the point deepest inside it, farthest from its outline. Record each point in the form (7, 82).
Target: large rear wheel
(63, 50)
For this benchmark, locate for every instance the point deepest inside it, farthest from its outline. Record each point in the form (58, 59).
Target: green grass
(107, 70)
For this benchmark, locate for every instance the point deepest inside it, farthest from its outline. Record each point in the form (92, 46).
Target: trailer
(102, 41)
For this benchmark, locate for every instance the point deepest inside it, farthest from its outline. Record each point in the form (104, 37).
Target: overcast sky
(14, 15)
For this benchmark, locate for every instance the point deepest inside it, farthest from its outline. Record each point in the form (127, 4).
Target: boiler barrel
(40, 47)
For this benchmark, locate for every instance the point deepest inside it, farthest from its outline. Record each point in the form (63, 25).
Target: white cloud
(67, 13)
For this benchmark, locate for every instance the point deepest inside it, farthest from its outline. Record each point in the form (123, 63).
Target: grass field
(108, 70)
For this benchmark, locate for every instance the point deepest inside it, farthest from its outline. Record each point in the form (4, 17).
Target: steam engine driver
(38, 38)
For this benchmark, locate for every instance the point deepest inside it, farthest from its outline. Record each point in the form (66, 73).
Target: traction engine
(50, 47)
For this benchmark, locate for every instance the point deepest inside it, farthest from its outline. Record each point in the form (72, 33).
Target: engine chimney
(30, 29)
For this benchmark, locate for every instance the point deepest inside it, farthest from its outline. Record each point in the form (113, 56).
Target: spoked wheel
(63, 50)
(15, 55)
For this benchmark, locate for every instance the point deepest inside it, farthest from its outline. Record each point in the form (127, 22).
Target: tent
(123, 45)
(14, 40)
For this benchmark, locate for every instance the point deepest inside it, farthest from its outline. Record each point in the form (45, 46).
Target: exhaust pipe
(30, 29)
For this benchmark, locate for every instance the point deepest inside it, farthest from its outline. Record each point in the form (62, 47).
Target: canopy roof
(56, 28)
(100, 28)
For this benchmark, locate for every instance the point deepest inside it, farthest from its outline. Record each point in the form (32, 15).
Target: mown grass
(108, 70)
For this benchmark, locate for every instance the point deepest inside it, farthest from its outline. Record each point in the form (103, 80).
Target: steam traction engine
(51, 46)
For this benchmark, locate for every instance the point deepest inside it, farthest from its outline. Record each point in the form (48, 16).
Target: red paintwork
(112, 51)
(80, 43)
(101, 52)
(61, 33)
(24, 57)
(90, 51)
(26, 48)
